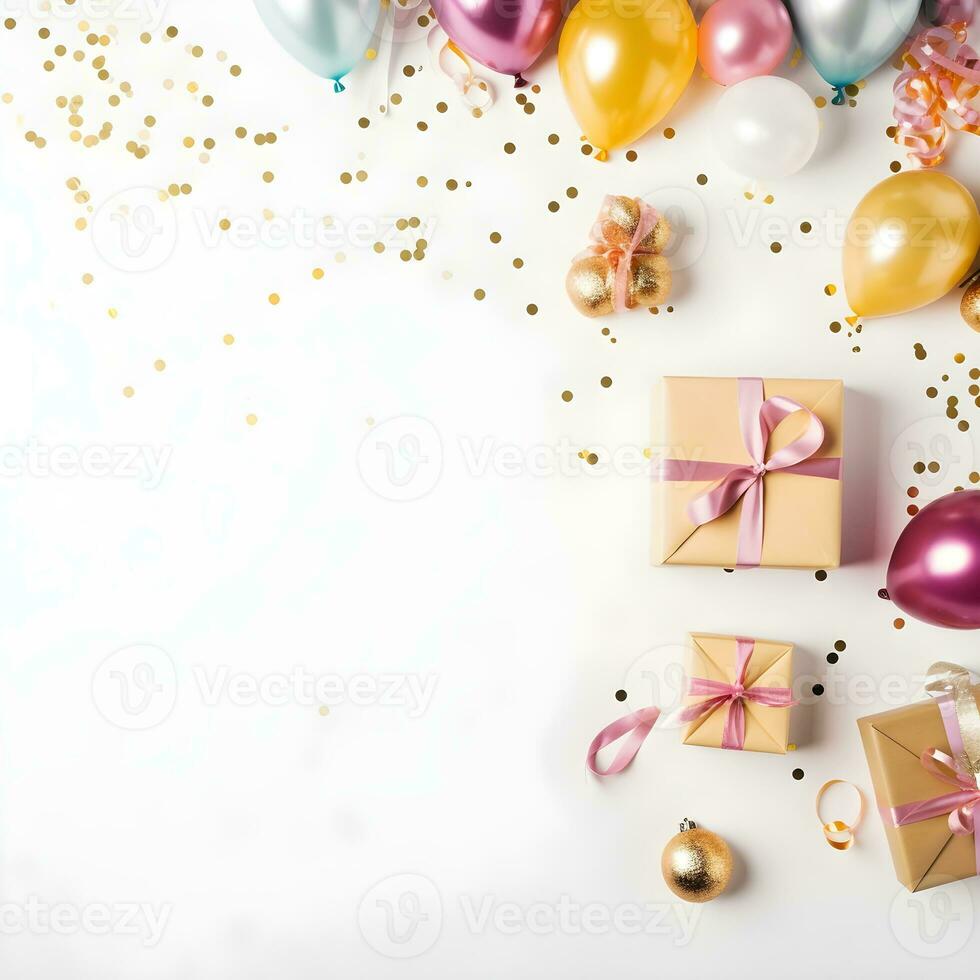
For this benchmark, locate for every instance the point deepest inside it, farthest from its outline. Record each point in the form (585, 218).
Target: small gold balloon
(696, 864)
(970, 304)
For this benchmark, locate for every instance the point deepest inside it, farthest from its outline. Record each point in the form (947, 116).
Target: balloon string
(838, 99)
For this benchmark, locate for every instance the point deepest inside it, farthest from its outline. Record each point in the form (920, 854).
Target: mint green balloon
(848, 39)
(327, 36)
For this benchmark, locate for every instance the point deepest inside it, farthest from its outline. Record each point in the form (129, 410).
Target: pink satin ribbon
(932, 94)
(619, 257)
(959, 805)
(735, 695)
(758, 417)
(636, 725)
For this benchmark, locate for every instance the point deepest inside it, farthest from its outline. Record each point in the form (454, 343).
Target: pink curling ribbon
(959, 805)
(933, 93)
(619, 256)
(734, 695)
(758, 418)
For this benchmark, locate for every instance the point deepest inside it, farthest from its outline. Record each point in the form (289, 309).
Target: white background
(273, 836)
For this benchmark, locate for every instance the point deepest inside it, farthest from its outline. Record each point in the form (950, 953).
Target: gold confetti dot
(128, 391)
(532, 309)
(274, 299)
(631, 156)
(518, 263)
(160, 364)
(553, 206)
(571, 192)
(806, 227)
(318, 273)
(819, 101)
(251, 418)
(830, 289)
(509, 147)
(228, 339)
(268, 176)
(171, 32)
(702, 179)
(775, 248)
(235, 70)
(10, 23)
(899, 623)
(566, 396)
(88, 278)
(324, 711)
(364, 122)
(422, 181)
(113, 312)
(408, 71)
(606, 382)
(959, 358)
(669, 133)
(894, 166)
(361, 175)
(495, 237)
(346, 178)
(479, 294)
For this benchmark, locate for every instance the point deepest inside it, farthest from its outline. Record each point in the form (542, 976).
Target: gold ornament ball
(970, 306)
(696, 864)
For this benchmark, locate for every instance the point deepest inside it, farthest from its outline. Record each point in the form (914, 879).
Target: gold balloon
(624, 63)
(696, 864)
(970, 304)
(910, 240)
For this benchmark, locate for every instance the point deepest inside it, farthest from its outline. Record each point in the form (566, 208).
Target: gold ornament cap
(696, 864)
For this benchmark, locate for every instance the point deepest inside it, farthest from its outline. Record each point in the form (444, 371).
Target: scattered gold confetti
(318, 273)
(228, 339)
(566, 396)
(274, 299)
(160, 364)
(128, 391)
(251, 419)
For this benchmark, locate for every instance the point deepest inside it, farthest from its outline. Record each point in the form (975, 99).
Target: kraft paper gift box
(769, 666)
(787, 515)
(925, 852)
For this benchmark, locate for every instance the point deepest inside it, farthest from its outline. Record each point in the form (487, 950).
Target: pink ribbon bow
(620, 257)
(757, 418)
(734, 695)
(638, 724)
(960, 804)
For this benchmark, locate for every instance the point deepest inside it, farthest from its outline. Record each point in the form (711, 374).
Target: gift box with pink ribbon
(747, 472)
(924, 759)
(737, 696)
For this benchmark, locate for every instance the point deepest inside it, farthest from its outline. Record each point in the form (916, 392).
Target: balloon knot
(338, 85)
(519, 81)
(839, 98)
(883, 594)
(602, 155)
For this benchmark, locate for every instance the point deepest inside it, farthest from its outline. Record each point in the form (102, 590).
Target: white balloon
(765, 127)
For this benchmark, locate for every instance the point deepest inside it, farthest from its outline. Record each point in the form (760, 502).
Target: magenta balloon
(740, 39)
(934, 573)
(951, 11)
(505, 35)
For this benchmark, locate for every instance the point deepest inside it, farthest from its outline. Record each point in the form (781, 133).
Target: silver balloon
(848, 39)
(328, 36)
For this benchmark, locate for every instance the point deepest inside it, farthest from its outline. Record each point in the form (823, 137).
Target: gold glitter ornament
(970, 304)
(598, 283)
(696, 864)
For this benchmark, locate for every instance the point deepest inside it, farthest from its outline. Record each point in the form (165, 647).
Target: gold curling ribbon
(953, 681)
(840, 835)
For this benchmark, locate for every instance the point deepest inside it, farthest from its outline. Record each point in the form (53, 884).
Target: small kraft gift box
(738, 693)
(748, 472)
(924, 758)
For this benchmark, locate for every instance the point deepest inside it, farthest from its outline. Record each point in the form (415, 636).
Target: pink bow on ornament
(734, 695)
(618, 255)
(757, 418)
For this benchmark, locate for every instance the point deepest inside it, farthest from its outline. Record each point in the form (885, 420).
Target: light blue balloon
(328, 36)
(848, 39)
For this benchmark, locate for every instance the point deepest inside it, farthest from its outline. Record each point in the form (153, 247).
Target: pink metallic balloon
(934, 572)
(942, 12)
(505, 35)
(740, 39)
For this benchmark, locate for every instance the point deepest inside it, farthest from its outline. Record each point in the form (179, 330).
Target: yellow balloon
(624, 63)
(911, 239)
